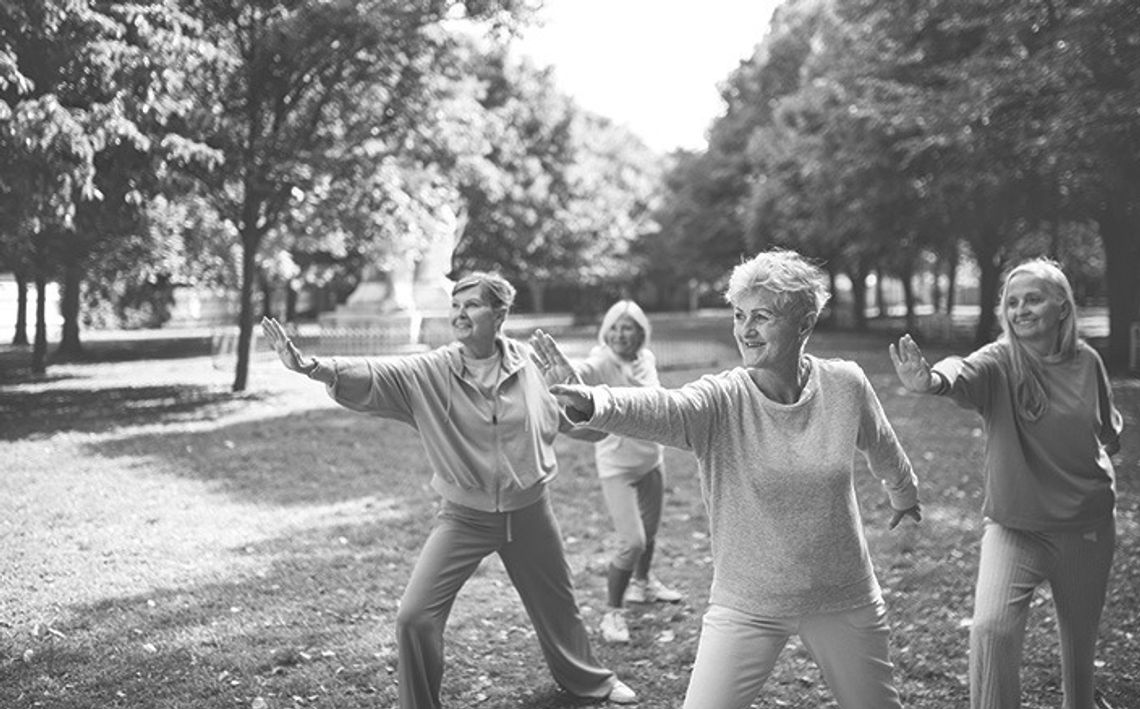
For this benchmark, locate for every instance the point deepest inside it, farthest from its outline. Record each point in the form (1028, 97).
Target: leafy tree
(278, 104)
(551, 193)
(83, 83)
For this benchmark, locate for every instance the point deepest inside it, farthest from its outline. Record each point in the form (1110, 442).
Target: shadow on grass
(307, 457)
(29, 413)
(313, 629)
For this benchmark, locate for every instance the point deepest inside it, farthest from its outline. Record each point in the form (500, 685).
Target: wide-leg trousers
(634, 502)
(737, 651)
(530, 545)
(1013, 564)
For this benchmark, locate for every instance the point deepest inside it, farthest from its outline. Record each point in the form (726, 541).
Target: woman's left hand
(915, 512)
(555, 368)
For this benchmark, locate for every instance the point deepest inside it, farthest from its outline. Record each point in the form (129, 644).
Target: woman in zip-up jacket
(488, 424)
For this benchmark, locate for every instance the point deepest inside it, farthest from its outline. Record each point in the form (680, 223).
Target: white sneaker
(621, 693)
(651, 591)
(615, 630)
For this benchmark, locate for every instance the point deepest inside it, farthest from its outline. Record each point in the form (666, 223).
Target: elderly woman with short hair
(775, 440)
(488, 424)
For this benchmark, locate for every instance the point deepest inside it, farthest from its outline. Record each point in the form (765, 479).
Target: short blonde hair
(799, 285)
(629, 309)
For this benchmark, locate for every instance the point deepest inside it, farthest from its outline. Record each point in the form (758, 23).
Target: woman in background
(632, 471)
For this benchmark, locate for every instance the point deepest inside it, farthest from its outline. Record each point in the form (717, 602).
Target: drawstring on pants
(509, 537)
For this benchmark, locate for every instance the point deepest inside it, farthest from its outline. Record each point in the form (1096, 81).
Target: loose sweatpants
(737, 652)
(530, 545)
(634, 503)
(1013, 564)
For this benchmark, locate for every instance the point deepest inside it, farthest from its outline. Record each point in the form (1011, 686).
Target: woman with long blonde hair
(1049, 481)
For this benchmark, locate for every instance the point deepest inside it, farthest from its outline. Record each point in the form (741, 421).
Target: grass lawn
(166, 543)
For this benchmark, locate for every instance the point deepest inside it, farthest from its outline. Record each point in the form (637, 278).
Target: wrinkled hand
(915, 512)
(576, 399)
(546, 354)
(913, 370)
(290, 356)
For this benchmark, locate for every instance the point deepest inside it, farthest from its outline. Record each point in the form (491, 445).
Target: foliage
(556, 194)
(88, 89)
(293, 83)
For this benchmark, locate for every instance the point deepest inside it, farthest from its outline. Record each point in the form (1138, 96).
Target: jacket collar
(514, 355)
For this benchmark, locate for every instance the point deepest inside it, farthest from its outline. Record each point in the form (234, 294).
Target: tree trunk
(908, 296)
(39, 348)
(833, 289)
(20, 336)
(859, 295)
(880, 294)
(991, 262)
(69, 345)
(952, 281)
(1121, 240)
(290, 302)
(537, 294)
(266, 294)
(251, 240)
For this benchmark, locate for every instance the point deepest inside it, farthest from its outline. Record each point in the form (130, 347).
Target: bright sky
(652, 65)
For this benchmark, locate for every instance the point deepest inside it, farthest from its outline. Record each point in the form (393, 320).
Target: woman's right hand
(913, 370)
(290, 356)
(576, 399)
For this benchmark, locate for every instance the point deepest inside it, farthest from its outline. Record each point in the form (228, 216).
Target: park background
(186, 525)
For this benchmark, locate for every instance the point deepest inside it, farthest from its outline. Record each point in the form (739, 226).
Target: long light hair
(1030, 392)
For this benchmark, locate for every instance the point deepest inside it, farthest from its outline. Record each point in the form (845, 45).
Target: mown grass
(168, 544)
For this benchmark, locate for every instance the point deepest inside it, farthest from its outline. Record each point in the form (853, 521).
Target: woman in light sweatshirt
(775, 440)
(632, 471)
(1049, 502)
(488, 424)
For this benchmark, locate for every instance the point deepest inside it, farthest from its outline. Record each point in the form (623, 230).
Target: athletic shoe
(614, 629)
(651, 591)
(622, 694)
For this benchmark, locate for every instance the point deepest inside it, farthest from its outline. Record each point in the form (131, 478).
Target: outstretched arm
(912, 368)
(290, 356)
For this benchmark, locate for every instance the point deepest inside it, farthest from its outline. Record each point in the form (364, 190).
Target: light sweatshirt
(777, 480)
(493, 454)
(1052, 474)
(615, 455)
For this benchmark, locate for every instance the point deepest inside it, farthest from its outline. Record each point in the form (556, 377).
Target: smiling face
(474, 322)
(1033, 312)
(625, 337)
(767, 337)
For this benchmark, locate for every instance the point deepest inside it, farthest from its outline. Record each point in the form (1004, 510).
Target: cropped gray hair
(800, 286)
(498, 290)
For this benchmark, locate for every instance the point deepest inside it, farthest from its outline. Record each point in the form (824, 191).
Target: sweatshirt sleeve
(368, 385)
(680, 418)
(885, 455)
(1111, 422)
(971, 380)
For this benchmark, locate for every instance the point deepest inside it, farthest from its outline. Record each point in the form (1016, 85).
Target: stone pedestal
(395, 303)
